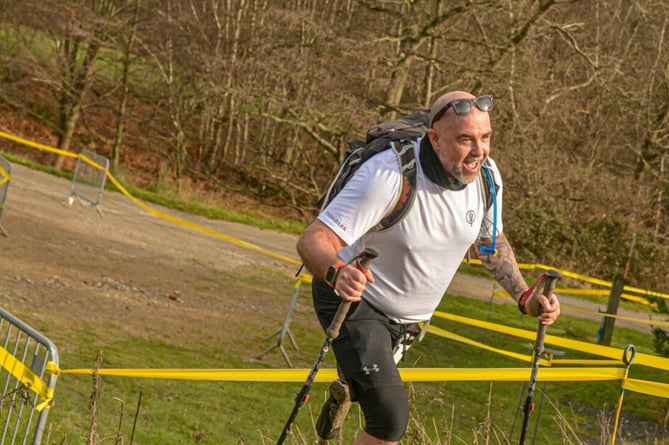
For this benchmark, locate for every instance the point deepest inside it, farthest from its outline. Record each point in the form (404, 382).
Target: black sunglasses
(464, 106)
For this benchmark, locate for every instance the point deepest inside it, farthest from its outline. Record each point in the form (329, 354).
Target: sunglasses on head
(464, 106)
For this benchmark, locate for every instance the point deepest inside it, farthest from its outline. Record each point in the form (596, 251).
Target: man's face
(462, 143)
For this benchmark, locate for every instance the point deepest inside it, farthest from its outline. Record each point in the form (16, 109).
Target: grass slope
(180, 412)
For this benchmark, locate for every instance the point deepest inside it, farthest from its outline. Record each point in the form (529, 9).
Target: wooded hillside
(259, 97)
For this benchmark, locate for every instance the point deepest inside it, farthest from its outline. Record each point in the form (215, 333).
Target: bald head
(460, 133)
(444, 100)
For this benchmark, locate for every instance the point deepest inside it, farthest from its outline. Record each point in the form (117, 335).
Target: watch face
(331, 274)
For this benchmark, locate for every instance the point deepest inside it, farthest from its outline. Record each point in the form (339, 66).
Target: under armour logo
(368, 371)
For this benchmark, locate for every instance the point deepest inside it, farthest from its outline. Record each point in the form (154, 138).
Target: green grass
(178, 412)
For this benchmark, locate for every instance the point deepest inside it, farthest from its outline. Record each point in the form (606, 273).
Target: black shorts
(364, 353)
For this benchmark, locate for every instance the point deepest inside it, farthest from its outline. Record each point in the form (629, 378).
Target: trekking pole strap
(552, 276)
(528, 293)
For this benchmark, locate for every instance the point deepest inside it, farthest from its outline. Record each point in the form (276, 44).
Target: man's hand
(545, 309)
(351, 282)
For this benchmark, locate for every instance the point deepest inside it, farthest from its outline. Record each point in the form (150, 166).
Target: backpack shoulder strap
(406, 156)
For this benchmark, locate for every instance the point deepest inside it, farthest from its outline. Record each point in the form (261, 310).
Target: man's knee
(386, 411)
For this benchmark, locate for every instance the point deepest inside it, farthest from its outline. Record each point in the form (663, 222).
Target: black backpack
(400, 135)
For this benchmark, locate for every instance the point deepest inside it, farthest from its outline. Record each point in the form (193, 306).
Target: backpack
(398, 135)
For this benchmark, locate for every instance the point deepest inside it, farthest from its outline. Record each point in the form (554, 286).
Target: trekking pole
(551, 276)
(362, 261)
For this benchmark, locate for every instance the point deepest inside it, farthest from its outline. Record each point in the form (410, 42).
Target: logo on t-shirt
(470, 217)
(336, 221)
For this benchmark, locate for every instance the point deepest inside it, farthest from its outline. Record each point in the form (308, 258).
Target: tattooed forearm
(503, 266)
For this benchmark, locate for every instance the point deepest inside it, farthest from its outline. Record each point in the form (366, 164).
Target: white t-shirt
(419, 256)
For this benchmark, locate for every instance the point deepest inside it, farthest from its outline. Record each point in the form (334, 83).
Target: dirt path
(67, 264)
(63, 265)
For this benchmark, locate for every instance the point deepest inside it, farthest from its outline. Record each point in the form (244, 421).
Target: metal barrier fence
(5, 176)
(90, 175)
(27, 383)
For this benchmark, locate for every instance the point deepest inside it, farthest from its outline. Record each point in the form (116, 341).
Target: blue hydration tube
(492, 249)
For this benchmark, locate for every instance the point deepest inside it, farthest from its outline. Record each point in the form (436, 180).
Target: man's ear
(434, 139)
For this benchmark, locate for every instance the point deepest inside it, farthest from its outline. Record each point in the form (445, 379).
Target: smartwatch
(332, 272)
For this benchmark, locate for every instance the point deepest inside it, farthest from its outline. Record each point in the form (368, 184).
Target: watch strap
(332, 272)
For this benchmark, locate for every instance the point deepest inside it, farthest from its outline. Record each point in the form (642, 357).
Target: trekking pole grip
(363, 260)
(551, 278)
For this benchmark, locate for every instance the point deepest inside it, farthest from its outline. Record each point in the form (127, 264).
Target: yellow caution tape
(602, 351)
(91, 162)
(327, 375)
(551, 360)
(232, 375)
(302, 277)
(198, 227)
(510, 374)
(584, 278)
(408, 375)
(584, 362)
(37, 145)
(446, 334)
(26, 376)
(5, 176)
(649, 321)
(646, 387)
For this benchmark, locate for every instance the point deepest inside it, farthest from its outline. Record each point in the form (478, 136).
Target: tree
(260, 97)
(127, 47)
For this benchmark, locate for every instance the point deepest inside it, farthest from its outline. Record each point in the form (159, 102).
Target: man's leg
(364, 353)
(386, 411)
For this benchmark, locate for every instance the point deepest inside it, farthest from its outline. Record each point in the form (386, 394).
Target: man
(417, 258)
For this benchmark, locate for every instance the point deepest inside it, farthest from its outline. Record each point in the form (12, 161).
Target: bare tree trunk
(179, 102)
(517, 38)
(660, 203)
(79, 81)
(409, 46)
(72, 99)
(430, 68)
(125, 88)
